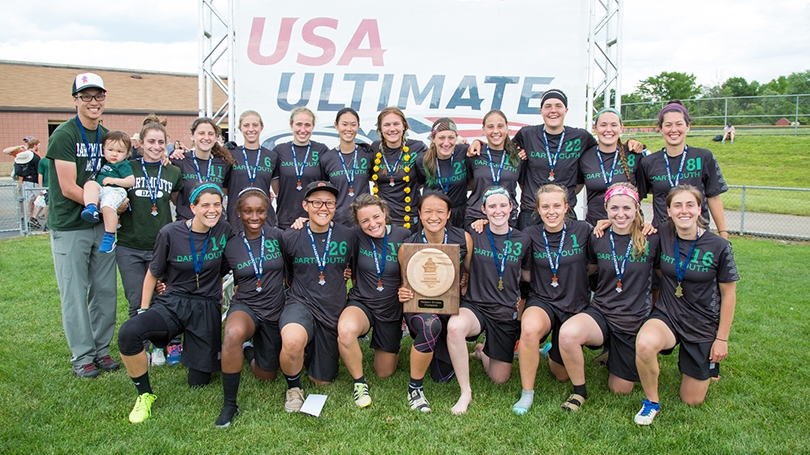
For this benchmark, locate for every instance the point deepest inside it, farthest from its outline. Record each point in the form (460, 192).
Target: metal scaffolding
(604, 56)
(217, 39)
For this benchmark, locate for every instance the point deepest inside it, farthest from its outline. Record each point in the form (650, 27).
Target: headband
(196, 193)
(556, 94)
(496, 190)
(620, 190)
(609, 109)
(673, 107)
(250, 188)
(444, 124)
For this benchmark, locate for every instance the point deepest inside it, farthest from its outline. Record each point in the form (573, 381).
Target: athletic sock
(361, 380)
(526, 400)
(414, 384)
(230, 387)
(142, 384)
(293, 381)
(581, 390)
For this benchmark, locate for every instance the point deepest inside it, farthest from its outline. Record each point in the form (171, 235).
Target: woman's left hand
(719, 351)
(648, 229)
(160, 287)
(299, 223)
(124, 206)
(635, 146)
(347, 274)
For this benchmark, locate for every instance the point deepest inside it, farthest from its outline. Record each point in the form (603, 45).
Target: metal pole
(591, 56)
(796, 122)
(619, 39)
(725, 114)
(742, 212)
(201, 57)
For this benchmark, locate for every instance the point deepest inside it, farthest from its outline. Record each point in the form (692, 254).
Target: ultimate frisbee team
(295, 222)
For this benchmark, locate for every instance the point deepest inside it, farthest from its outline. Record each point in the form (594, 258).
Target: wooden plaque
(431, 271)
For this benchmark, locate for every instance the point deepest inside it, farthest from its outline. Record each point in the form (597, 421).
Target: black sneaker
(33, 224)
(226, 416)
(106, 363)
(88, 370)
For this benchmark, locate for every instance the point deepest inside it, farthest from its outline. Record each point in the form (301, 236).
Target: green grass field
(779, 161)
(759, 405)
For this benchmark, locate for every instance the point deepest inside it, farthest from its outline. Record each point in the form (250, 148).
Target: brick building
(35, 98)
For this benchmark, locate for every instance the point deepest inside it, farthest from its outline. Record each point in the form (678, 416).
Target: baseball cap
(321, 186)
(27, 138)
(87, 80)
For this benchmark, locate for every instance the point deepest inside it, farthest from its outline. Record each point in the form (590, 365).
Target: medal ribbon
(495, 178)
(680, 270)
(674, 183)
(197, 167)
(379, 262)
(552, 162)
(502, 266)
(153, 191)
(446, 186)
(608, 178)
(91, 155)
(619, 269)
(197, 260)
(299, 171)
(258, 269)
(554, 265)
(392, 170)
(425, 240)
(320, 260)
(349, 175)
(255, 170)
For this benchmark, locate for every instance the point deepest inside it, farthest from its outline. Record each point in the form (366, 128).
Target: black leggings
(152, 327)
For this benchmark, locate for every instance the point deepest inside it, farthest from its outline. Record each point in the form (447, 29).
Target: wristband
(142, 310)
(723, 230)
(720, 339)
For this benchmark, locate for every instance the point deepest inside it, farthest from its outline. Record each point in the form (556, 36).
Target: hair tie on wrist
(720, 339)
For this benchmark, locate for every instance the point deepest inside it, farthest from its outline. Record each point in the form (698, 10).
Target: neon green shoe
(143, 408)
(361, 397)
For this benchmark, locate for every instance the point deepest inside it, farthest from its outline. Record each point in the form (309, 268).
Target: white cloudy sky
(713, 39)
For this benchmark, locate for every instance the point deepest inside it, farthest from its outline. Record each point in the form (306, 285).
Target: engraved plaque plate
(431, 271)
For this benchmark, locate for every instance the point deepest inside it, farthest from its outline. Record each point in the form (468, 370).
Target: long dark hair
(217, 150)
(509, 147)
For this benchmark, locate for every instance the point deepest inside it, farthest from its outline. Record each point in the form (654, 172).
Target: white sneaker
(158, 357)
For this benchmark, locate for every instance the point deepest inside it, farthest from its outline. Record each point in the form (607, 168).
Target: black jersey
(536, 169)
(480, 170)
(288, 203)
(395, 195)
(240, 179)
(696, 314)
(267, 303)
(571, 294)
(596, 184)
(451, 177)
(484, 290)
(173, 260)
(384, 305)
(336, 170)
(219, 172)
(699, 169)
(325, 301)
(626, 310)
(455, 236)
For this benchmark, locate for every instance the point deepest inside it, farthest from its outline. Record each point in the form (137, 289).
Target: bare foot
(478, 352)
(461, 405)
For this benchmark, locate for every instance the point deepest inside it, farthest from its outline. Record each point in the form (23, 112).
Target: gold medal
(500, 284)
(197, 275)
(678, 291)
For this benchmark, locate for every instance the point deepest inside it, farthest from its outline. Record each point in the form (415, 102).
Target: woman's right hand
(299, 223)
(478, 225)
(179, 151)
(404, 294)
(160, 287)
(600, 228)
(475, 148)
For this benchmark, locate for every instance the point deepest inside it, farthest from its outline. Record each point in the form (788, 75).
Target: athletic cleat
(158, 357)
(417, 400)
(33, 224)
(361, 397)
(143, 408)
(174, 351)
(107, 243)
(106, 363)
(88, 370)
(545, 349)
(226, 416)
(294, 399)
(647, 413)
(90, 214)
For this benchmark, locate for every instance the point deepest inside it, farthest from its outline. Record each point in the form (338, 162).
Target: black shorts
(386, 336)
(557, 318)
(321, 355)
(457, 216)
(693, 358)
(501, 335)
(266, 339)
(200, 319)
(622, 359)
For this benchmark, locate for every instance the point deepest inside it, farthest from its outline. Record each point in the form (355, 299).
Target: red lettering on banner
(367, 27)
(308, 33)
(282, 45)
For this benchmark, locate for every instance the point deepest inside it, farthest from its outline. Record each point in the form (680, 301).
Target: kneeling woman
(258, 272)
(622, 301)
(188, 259)
(373, 298)
(696, 304)
(491, 301)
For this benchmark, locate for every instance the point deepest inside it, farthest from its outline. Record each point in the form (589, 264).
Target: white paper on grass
(313, 405)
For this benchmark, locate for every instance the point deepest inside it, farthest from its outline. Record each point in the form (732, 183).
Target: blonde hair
(551, 188)
(296, 111)
(636, 236)
(249, 112)
(391, 110)
(685, 188)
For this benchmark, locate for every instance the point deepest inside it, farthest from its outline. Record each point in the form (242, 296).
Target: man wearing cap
(136, 151)
(25, 168)
(86, 277)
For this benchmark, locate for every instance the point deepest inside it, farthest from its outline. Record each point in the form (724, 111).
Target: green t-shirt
(115, 170)
(42, 169)
(138, 227)
(66, 144)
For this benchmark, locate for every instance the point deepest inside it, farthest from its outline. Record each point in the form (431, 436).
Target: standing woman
(444, 167)
(696, 304)
(491, 300)
(429, 330)
(394, 168)
(253, 166)
(298, 167)
(188, 259)
(498, 164)
(373, 301)
(558, 276)
(207, 162)
(680, 164)
(625, 259)
(258, 272)
(156, 186)
(347, 165)
(608, 163)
